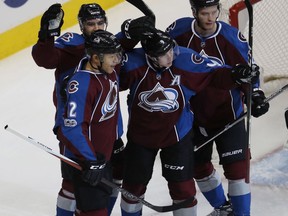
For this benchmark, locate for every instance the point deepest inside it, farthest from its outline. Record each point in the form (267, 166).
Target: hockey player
(89, 128)
(63, 55)
(161, 78)
(214, 107)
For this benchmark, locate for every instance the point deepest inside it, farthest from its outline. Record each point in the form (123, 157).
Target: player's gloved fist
(93, 171)
(117, 159)
(139, 29)
(258, 106)
(244, 74)
(51, 22)
(118, 150)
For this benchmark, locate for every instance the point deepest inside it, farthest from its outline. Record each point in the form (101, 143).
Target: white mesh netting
(270, 38)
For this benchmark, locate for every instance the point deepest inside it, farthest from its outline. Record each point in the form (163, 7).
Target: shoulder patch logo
(171, 27)
(67, 36)
(196, 59)
(241, 37)
(73, 87)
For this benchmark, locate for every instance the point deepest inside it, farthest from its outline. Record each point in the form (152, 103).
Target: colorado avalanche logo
(159, 99)
(171, 27)
(214, 60)
(109, 107)
(67, 36)
(241, 37)
(73, 87)
(196, 59)
(124, 59)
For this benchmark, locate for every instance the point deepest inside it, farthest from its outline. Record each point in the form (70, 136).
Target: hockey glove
(93, 171)
(243, 74)
(117, 159)
(51, 22)
(258, 106)
(138, 29)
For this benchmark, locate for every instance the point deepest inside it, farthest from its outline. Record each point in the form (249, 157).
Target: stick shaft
(143, 7)
(103, 180)
(44, 147)
(228, 126)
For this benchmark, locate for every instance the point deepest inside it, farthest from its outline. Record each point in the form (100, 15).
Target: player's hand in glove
(93, 171)
(51, 22)
(258, 106)
(117, 159)
(139, 29)
(243, 74)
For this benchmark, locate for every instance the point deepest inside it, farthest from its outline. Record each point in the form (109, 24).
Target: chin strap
(98, 68)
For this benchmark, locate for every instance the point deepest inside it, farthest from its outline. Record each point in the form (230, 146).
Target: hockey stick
(143, 7)
(230, 125)
(168, 208)
(249, 95)
(285, 146)
(286, 117)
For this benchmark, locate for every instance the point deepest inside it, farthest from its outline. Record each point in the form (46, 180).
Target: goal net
(270, 36)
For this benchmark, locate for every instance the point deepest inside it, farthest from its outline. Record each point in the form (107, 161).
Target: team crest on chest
(214, 60)
(109, 107)
(159, 99)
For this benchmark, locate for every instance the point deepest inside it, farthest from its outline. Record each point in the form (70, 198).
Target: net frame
(270, 47)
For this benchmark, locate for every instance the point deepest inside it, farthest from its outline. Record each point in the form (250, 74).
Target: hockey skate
(224, 210)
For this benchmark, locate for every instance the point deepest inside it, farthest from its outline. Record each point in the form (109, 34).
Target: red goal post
(234, 12)
(270, 36)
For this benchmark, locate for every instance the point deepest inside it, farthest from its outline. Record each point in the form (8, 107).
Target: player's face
(92, 25)
(207, 17)
(166, 60)
(110, 61)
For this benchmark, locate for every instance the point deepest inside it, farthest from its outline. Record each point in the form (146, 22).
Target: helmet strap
(92, 65)
(101, 61)
(154, 62)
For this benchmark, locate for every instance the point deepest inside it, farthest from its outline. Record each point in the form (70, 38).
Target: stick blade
(143, 7)
(175, 206)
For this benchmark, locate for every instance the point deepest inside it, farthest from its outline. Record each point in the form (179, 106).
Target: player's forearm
(45, 54)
